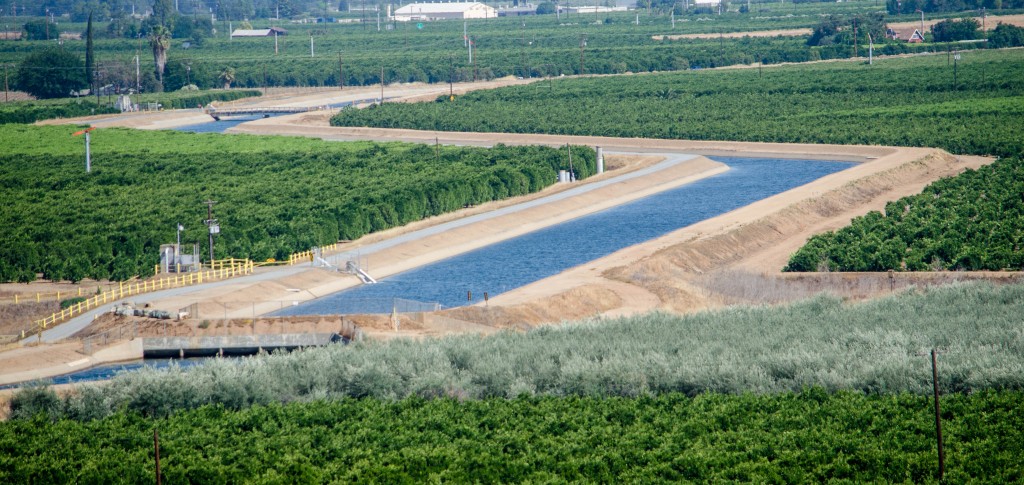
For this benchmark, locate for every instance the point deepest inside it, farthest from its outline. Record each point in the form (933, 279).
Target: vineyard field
(276, 195)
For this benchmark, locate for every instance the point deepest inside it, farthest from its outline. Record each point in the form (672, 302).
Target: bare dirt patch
(23, 303)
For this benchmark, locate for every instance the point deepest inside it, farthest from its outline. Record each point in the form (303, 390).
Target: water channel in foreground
(109, 371)
(531, 257)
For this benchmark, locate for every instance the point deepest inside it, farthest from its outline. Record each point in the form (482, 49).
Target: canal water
(223, 125)
(217, 126)
(105, 372)
(517, 262)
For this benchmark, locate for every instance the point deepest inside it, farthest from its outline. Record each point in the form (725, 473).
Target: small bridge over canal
(222, 112)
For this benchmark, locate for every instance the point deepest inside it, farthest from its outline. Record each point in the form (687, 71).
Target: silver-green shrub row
(876, 347)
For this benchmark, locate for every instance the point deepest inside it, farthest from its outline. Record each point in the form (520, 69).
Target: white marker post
(88, 158)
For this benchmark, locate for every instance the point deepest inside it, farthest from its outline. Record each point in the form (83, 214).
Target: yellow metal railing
(305, 256)
(47, 296)
(225, 268)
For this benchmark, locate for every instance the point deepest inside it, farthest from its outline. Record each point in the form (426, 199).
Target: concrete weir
(171, 347)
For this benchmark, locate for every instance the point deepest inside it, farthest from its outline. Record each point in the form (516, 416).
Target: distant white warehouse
(417, 12)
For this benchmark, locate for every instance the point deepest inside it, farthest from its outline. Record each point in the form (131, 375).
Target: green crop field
(276, 195)
(820, 390)
(901, 101)
(971, 222)
(437, 52)
(814, 391)
(811, 436)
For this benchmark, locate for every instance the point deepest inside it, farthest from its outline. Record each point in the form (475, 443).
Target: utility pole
(568, 148)
(178, 249)
(381, 84)
(275, 42)
(311, 44)
(469, 44)
(855, 40)
(6, 96)
(138, 52)
(156, 449)
(451, 78)
(211, 223)
(465, 34)
(956, 57)
(523, 52)
(341, 73)
(583, 47)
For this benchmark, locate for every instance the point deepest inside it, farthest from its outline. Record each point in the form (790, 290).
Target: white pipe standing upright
(88, 157)
(871, 49)
(600, 160)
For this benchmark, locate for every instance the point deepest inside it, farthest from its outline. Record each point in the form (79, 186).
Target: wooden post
(156, 448)
(938, 418)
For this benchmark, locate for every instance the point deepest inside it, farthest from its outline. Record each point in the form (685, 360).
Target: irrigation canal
(517, 262)
(105, 372)
(222, 125)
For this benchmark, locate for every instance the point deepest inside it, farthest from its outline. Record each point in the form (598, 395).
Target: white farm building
(417, 12)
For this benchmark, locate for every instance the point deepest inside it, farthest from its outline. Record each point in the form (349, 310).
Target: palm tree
(160, 41)
(227, 76)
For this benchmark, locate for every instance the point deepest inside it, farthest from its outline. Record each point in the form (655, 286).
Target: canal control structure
(208, 346)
